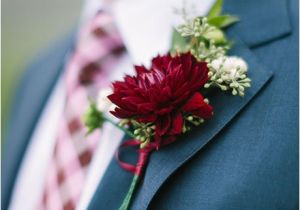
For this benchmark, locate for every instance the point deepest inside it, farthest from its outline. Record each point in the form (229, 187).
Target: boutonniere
(171, 97)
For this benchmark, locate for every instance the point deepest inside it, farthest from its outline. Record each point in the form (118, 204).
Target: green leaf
(223, 21)
(216, 9)
(179, 43)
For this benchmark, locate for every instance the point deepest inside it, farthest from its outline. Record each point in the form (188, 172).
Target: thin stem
(120, 127)
(126, 202)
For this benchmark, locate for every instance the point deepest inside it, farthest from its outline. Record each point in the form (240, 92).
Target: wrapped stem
(138, 172)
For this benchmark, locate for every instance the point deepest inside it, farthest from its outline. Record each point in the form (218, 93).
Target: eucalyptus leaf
(216, 9)
(223, 21)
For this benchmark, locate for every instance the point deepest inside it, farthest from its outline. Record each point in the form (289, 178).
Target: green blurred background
(28, 27)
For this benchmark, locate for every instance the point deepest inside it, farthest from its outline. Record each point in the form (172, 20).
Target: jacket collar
(261, 21)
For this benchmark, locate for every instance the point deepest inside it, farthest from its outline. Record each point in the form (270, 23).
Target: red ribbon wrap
(143, 156)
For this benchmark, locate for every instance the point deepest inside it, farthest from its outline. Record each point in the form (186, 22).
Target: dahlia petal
(147, 118)
(140, 70)
(161, 62)
(133, 100)
(145, 107)
(166, 92)
(205, 111)
(121, 113)
(164, 111)
(130, 80)
(177, 124)
(195, 102)
(115, 98)
(119, 85)
(187, 61)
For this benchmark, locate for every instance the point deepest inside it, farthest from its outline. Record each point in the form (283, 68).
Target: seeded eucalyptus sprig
(196, 27)
(144, 132)
(229, 73)
(203, 38)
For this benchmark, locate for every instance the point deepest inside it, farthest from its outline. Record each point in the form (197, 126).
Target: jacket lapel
(30, 100)
(165, 161)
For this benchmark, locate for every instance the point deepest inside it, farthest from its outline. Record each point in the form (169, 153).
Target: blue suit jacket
(246, 157)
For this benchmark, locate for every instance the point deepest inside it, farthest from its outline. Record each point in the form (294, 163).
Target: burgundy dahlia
(163, 93)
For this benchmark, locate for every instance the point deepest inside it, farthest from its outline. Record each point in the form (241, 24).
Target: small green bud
(143, 138)
(202, 44)
(219, 80)
(234, 92)
(241, 88)
(196, 123)
(136, 131)
(190, 118)
(246, 85)
(246, 80)
(183, 129)
(207, 85)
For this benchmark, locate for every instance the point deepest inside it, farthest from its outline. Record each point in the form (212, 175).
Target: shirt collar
(146, 25)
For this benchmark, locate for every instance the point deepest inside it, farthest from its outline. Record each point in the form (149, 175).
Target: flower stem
(126, 202)
(129, 133)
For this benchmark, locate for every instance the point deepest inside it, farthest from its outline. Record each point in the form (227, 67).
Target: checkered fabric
(97, 50)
